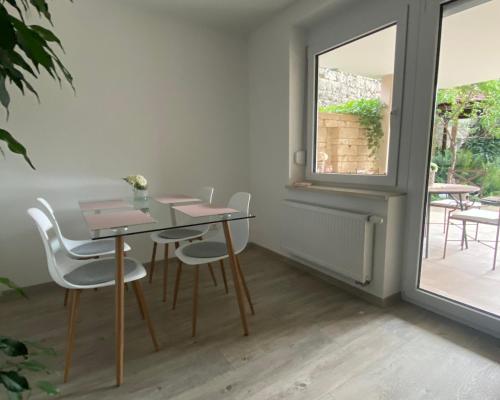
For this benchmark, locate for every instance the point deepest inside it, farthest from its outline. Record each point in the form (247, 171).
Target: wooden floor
(308, 340)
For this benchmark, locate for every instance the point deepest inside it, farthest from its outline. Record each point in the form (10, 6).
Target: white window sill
(347, 191)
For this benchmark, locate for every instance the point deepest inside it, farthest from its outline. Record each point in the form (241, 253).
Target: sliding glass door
(458, 271)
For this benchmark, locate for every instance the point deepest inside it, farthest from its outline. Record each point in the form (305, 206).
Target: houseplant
(18, 357)
(25, 50)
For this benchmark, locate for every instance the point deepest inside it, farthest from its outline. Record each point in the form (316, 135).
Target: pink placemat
(117, 219)
(175, 198)
(203, 210)
(104, 204)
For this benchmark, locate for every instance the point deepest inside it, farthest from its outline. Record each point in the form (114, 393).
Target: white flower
(137, 181)
(140, 182)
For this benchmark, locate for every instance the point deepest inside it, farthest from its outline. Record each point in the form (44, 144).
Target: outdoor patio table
(449, 189)
(164, 218)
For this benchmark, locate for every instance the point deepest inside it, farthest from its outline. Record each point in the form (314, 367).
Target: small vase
(140, 194)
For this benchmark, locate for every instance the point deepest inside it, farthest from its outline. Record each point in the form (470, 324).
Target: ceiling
(371, 56)
(469, 46)
(468, 49)
(241, 16)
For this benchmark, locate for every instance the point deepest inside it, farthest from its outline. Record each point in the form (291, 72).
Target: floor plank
(308, 340)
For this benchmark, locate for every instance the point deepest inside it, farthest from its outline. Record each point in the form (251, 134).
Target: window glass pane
(354, 85)
(461, 250)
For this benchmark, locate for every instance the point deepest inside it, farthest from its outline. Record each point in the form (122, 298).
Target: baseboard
(370, 298)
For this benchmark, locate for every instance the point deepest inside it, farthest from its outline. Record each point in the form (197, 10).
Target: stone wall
(342, 146)
(336, 87)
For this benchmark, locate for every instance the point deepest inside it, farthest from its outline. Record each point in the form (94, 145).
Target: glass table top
(164, 215)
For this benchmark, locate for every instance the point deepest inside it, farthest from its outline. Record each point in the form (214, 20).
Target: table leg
(427, 224)
(235, 274)
(119, 308)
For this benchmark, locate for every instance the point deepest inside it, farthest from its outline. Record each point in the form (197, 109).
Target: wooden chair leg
(195, 299)
(165, 274)
(153, 263)
(177, 283)
(223, 272)
(139, 301)
(212, 274)
(66, 294)
(140, 297)
(247, 292)
(74, 302)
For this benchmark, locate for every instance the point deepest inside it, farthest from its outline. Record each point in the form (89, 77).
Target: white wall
(156, 96)
(277, 65)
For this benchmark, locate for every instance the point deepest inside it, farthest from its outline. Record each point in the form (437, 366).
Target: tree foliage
(480, 104)
(25, 51)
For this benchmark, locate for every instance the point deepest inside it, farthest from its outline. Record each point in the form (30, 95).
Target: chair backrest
(51, 243)
(206, 194)
(52, 217)
(240, 229)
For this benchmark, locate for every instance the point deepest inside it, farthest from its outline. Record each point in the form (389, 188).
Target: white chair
(452, 204)
(77, 275)
(176, 235)
(476, 216)
(213, 250)
(80, 249)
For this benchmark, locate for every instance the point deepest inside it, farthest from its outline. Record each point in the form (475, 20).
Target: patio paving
(464, 275)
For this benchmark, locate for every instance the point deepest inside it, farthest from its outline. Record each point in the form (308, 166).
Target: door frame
(423, 112)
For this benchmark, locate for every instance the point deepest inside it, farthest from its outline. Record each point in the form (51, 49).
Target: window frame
(320, 43)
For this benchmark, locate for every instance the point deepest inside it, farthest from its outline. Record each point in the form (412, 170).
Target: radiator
(337, 241)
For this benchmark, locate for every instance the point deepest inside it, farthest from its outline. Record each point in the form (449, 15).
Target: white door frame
(426, 75)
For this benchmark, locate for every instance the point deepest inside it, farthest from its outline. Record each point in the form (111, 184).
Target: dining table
(118, 218)
(458, 192)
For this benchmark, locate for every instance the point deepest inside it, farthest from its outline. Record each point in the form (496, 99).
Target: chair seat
(177, 235)
(102, 273)
(94, 248)
(475, 215)
(205, 249)
(450, 203)
(202, 252)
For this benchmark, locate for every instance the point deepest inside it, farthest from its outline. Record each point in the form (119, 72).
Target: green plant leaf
(46, 34)
(15, 146)
(32, 365)
(32, 45)
(14, 382)
(17, 59)
(42, 7)
(48, 388)
(11, 285)
(7, 33)
(13, 4)
(12, 347)
(4, 95)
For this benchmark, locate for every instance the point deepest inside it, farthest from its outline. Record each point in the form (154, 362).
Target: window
(352, 108)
